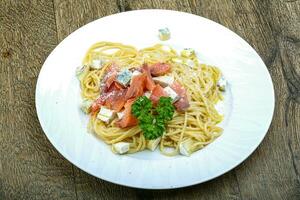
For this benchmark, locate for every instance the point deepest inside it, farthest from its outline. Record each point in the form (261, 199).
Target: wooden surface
(30, 167)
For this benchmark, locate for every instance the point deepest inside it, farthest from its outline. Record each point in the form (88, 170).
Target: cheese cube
(105, 114)
(147, 94)
(185, 147)
(121, 147)
(97, 64)
(124, 77)
(187, 52)
(164, 80)
(222, 84)
(171, 93)
(85, 105)
(120, 114)
(81, 71)
(152, 144)
(164, 34)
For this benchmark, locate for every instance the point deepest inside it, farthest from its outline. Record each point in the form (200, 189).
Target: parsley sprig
(152, 120)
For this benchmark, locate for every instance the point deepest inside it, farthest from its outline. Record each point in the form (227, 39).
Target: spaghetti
(198, 124)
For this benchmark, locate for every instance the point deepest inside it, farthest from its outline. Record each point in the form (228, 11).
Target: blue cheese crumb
(124, 77)
(164, 34)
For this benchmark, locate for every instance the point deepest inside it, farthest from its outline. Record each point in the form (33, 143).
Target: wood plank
(71, 15)
(272, 172)
(156, 4)
(30, 167)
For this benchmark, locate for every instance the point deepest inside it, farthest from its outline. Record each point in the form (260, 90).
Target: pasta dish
(152, 98)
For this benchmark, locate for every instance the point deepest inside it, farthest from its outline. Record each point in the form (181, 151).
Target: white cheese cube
(85, 105)
(121, 147)
(105, 114)
(187, 52)
(147, 94)
(171, 93)
(152, 144)
(164, 34)
(120, 114)
(97, 64)
(222, 84)
(185, 147)
(124, 77)
(164, 80)
(189, 63)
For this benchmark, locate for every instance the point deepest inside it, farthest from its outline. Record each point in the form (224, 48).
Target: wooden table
(30, 167)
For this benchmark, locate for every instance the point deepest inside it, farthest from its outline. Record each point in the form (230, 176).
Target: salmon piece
(183, 103)
(114, 87)
(115, 100)
(128, 119)
(137, 86)
(150, 85)
(157, 92)
(159, 69)
(97, 104)
(109, 77)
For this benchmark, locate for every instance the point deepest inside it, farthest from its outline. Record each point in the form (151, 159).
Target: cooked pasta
(197, 125)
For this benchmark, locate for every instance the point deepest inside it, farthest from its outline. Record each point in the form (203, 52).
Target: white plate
(249, 102)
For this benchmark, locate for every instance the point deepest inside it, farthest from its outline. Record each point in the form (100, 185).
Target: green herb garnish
(152, 120)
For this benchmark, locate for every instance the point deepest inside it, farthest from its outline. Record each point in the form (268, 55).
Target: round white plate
(248, 105)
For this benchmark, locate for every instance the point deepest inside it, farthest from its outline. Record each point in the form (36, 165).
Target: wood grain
(30, 167)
